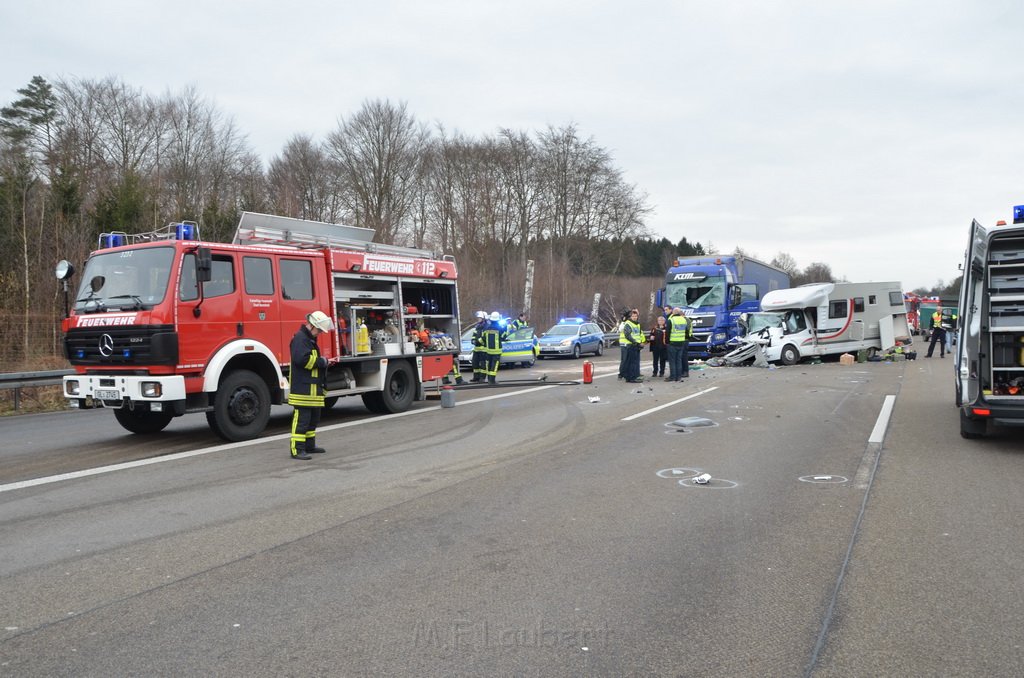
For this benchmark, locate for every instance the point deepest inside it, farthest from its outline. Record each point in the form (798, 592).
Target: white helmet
(319, 320)
(495, 316)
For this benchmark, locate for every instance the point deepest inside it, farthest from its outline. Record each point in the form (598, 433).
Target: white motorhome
(831, 318)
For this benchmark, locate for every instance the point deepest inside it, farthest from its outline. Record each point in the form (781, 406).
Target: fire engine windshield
(695, 293)
(127, 280)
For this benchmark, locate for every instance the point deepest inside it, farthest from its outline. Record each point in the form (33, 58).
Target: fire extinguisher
(588, 372)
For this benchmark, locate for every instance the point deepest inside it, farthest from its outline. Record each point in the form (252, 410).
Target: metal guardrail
(20, 380)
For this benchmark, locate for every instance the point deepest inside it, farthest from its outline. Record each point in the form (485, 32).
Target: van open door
(968, 343)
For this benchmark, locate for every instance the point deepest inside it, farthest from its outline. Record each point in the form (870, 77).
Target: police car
(519, 347)
(572, 337)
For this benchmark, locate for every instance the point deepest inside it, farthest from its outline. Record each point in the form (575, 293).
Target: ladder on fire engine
(267, 229)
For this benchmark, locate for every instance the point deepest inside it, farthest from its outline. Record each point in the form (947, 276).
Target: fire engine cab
(164, 324)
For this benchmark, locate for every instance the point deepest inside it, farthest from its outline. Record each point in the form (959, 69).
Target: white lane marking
(661, 407)
(245, 443)
(882, 423)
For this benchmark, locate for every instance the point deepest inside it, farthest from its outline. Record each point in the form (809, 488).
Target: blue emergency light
(1018, 214)
(113, 240)
(80, 353)
(571, 321)
(185, 231)
(126, 353)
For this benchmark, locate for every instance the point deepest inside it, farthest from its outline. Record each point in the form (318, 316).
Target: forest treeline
(79, 157)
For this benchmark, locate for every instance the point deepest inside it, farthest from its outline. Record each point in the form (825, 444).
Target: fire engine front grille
(146, 345)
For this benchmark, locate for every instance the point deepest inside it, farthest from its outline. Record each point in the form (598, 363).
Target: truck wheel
(241, 407)
(399, 390)
(789, 356)
(600, 348)
(374, 402)
(972, 428)
(138, 421)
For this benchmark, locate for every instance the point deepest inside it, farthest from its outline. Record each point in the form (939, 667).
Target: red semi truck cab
(164, 324)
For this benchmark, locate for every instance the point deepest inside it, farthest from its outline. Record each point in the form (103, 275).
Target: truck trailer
(714, 291)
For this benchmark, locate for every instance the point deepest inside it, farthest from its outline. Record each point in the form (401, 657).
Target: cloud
(863, 135)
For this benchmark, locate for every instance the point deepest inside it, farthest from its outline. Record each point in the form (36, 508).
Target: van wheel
(789, 356)
(241, 408)
(138, 421)
(972, 428)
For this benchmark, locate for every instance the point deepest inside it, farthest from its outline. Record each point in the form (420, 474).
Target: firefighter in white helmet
(479, 361)
(492, 338)
(307, 379)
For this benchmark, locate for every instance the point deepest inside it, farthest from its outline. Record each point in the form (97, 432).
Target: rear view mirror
(204, 264)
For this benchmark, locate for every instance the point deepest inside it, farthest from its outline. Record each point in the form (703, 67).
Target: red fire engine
(164, 324)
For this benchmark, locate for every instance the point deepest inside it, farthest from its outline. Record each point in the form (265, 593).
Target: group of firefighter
(488, 337)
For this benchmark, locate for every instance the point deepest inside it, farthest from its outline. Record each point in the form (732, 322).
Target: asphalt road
(529, 531)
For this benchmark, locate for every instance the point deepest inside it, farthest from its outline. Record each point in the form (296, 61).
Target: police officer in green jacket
(307, 378)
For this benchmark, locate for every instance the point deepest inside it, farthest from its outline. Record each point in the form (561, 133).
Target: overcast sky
(862, 134)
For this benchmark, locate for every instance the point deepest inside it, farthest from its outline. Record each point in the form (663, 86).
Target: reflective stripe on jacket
(631, 334)
(308, 371)
(492, 338)
(679, 329)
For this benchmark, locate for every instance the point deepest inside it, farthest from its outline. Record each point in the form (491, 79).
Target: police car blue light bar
(570, 321)
(1018, 214)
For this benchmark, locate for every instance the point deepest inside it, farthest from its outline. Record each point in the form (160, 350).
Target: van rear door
(969, 342)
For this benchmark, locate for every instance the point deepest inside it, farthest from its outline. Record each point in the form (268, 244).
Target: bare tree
(814, 273)
(378, 150)
(786, 262)
(304, 182)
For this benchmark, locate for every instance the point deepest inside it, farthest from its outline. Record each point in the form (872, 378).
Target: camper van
(832, 318)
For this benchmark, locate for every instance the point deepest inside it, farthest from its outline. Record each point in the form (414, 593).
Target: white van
(832, 318)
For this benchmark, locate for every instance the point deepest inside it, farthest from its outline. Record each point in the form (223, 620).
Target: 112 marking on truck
(165, 324)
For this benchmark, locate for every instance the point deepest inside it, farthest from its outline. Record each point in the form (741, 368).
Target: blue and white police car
(572, 337)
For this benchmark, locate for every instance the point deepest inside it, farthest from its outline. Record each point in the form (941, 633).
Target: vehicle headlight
(71, 387)
(718, 336)
(565, 342)
(151, 389)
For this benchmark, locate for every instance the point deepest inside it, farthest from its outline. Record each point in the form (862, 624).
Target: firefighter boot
(492, 379)
(459, 381)
(299, 452)
(311, 447)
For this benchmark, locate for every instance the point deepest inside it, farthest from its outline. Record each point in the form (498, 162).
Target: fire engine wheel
(789, 355)
(138, 421)
(241, 408)
(399, 390)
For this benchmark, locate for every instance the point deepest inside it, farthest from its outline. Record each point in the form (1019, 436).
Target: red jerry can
(588, 372)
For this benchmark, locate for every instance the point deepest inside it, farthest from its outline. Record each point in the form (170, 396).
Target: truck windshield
(695, 293)
(127, 280)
